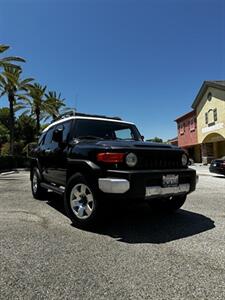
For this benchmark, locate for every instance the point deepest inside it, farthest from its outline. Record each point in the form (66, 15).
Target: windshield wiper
(119, 139)
(89, 137)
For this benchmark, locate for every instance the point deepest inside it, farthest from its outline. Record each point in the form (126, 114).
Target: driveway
(133, 254)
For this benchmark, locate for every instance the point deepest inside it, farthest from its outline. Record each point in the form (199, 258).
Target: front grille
(160, 160)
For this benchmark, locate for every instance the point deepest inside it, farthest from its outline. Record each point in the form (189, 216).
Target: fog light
(131, 159)
(184, 160)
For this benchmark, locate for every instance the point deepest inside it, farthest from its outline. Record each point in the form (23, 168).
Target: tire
(38, 192)
(81, 202)
(170, 204)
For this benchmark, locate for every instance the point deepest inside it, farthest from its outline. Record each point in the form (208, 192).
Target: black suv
(92, 159)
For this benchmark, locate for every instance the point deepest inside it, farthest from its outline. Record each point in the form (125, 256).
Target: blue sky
(142, 60)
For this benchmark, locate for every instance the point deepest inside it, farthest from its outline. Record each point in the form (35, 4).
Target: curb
(8, 172)
(210, 174)
(204, 174)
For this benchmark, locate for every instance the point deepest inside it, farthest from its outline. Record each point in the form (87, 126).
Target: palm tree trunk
(11, 99)
(37, 112)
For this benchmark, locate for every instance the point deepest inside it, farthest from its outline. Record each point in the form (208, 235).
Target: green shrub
(13, 162)
(5, 149)
(18, 149)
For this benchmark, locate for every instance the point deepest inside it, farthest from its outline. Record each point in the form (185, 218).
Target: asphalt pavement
(133, 254)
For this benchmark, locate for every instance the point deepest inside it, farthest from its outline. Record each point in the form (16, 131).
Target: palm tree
(13, 86)
(7, 61)
(38, 104)
(55, 101)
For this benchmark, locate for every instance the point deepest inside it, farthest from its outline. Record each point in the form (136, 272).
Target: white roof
(86, 118)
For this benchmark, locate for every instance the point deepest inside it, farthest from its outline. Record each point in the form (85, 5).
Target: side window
(41, 139)
(48, 137)
(66, 130)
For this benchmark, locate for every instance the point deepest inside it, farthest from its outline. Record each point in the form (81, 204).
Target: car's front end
(143, 170)
(217, 166)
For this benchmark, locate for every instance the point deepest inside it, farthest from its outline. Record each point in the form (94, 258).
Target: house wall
(204, 131)
(187, 132)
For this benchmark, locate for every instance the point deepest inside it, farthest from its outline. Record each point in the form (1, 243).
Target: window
(124, 134)
(66, 130)
(192, 125)
(41, 139)
(182, 128)
(206, 118)
(215, 115)
(106, 130)
(48, 137)
(209, 96)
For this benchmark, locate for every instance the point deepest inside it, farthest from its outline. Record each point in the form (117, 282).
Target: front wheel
(80, 202)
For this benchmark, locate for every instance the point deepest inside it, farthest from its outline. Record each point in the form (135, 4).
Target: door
(60, 151)
(45, 155)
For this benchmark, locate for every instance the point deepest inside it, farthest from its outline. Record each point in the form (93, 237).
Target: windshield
(106, 130)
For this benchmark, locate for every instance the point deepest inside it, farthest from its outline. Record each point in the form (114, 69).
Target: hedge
(13, 162)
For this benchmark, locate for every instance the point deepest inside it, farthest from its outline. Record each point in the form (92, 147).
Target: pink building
(187, 135)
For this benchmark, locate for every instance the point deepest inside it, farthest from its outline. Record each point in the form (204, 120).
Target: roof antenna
(76, 102)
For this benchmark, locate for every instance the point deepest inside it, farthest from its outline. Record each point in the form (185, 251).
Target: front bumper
(158, 191)
(217, 170)
(146, 184)
(113, 185)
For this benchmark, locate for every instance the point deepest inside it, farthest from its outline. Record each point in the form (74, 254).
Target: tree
(37, 104)
(4, 125)
(155, 140)
(4, 134)
(13, 86)
(5, 117)
(55, 101)
(25, 129)
(8, 61)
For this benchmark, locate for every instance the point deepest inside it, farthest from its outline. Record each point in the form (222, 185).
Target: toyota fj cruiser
(92, 159)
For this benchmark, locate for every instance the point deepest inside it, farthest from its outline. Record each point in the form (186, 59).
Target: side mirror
(142, 137)
(58, 135)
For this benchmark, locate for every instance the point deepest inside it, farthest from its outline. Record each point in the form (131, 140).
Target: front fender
(87, 168)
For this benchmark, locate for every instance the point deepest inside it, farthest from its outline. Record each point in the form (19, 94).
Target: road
(135, 254)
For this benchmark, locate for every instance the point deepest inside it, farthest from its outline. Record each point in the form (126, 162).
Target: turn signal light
(109, 157)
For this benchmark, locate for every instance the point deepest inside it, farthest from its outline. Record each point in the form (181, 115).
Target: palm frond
(26, 81)
(2, 93)
(13, 58)
(3, 48)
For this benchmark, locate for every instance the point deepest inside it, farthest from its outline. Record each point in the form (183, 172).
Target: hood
(133, 144)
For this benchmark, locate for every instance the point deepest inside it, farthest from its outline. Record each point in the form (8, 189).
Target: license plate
(170, 180)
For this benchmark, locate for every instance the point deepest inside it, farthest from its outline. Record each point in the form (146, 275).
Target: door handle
(47, 150)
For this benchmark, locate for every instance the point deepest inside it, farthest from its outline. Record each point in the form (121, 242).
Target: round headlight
(184, 160)
(131, 159)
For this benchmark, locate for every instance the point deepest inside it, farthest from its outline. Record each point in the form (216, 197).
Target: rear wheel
(37, 191)
(81, 203)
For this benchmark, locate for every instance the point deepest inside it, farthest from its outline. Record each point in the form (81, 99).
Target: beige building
(209, 106)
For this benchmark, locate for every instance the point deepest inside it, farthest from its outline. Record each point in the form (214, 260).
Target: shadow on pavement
(137, 223)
